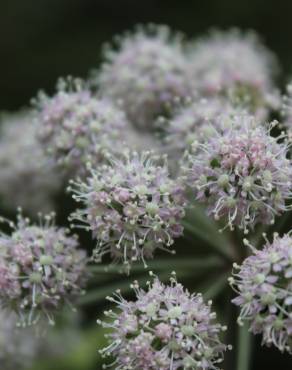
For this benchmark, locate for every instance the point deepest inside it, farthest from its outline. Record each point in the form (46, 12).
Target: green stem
(282, 223)
(243, 348)
(197, 214)
(216, 288)
(101, 292)
(164, 264)
(218, 242)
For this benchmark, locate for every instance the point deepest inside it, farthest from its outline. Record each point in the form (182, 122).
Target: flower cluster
(131, 206)
(264, 287)
(166, 328)
(202, 103)
(40, 268)
(242, 175)
(17, 347)
(27, 178)
(148, 70)
(76, 127)
(197, 121)
(235, 64)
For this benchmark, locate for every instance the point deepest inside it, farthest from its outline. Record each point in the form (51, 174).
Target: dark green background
(41, 40)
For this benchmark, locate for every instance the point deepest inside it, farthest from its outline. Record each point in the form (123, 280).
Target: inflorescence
(41, 269)
(203, 103)
(243, 175)
(76, 127)
(131, 206)
(235, 65)
(197, 121)
(28, 179)
(165, 328)
(146, 72)
(287, 110)
(264, 287)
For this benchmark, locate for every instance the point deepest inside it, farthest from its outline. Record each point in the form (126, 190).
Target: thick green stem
(243, 348)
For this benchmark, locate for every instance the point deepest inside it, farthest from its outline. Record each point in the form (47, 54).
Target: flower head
(165, 328)
(242, 175)
(197, 121)
(131, 206)
(76, 127)
(28, 180)
(148, 70)
(237, 65)
(18, 347)
(264, 287)
(40, 269)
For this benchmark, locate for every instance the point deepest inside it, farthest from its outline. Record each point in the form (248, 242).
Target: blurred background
(41, 40)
